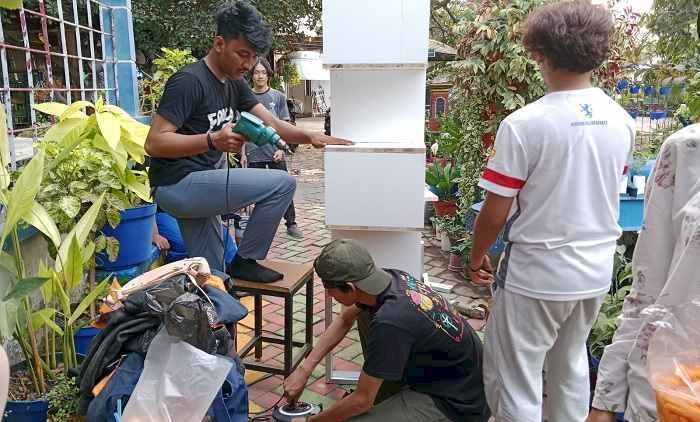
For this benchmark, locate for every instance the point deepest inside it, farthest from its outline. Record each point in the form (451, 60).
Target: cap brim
(375, 283)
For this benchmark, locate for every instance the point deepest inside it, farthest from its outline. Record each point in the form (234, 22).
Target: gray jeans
(407, 405)
(199, 199)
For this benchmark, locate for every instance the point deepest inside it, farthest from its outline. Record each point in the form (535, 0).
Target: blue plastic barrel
(83, 339)
(135, 235)
(26, 411)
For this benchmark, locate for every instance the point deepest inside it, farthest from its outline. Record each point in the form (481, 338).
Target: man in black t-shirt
(193, 128)
(415, 339)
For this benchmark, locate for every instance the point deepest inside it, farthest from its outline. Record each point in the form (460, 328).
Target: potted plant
(36, 325)
(442, 179)
(459, 253)
(96, 155)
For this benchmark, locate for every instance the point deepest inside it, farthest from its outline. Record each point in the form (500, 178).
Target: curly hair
(572, 35)
(239, 17)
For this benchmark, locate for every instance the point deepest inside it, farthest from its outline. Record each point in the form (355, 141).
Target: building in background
(438, 86)
(313, 94)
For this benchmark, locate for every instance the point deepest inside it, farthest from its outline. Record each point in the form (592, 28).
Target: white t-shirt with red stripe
(562, 158)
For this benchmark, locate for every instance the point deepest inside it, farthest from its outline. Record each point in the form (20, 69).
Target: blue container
(635, 89)
(135, 235)
(664, 91)
(83, 339)
(647, 168)
(656, 115)
(622, 84)
(26, 411)
(648, 91)
(631, 212)
(633, 113)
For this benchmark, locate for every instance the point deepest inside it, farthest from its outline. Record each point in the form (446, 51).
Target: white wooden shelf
(378, 105)
(368, 31)
(375, 190)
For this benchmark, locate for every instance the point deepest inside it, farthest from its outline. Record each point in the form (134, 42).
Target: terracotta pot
(445, 208)
(455, 263)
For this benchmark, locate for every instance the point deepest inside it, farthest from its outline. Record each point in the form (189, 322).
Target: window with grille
(52, 50)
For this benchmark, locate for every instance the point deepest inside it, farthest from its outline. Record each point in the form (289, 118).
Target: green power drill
(255, 131)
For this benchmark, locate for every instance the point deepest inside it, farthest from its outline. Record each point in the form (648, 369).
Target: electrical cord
(261, 416)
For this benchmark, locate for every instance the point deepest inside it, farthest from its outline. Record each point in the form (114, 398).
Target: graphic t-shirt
(417, 339)
(563, 158)
(197, 102)
(276, 103)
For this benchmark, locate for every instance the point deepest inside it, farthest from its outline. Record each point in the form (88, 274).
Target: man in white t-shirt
(553, 188)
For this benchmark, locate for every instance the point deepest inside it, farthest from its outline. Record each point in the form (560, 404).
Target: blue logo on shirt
(587, 110)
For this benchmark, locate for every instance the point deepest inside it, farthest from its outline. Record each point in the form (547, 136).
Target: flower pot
(26, 411)
(455, 263)
(83, 339)
(664, 91)
(445, 208)
(445, 243)
(648, 91)
(135, 235)
(635, 89)
(30, 410)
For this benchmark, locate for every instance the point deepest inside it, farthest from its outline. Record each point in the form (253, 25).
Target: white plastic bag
(674, 361)
(178, 383)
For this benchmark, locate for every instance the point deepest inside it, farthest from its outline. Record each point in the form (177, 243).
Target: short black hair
(239, 17)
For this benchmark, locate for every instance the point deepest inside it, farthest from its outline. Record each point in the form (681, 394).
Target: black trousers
(290, 215)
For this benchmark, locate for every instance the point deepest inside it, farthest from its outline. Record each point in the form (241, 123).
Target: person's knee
(287, 182)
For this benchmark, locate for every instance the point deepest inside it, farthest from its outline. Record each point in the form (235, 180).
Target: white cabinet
(375, 187)
(375, 31)
(399, 250)
(378, 105)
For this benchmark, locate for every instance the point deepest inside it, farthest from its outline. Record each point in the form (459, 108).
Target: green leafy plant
(453, 226)
(450, 136)
(165, 66)
(443, 178)
(462, 247)
(89, 157)
(692, 96)
(495, 65)
(64, 399)
(20, 317)
(473, 153)
(606, 323)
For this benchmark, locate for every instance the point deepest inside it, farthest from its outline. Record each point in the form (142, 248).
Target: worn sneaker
(294, 231)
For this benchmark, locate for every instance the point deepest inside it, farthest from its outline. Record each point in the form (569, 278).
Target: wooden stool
(295, 277)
